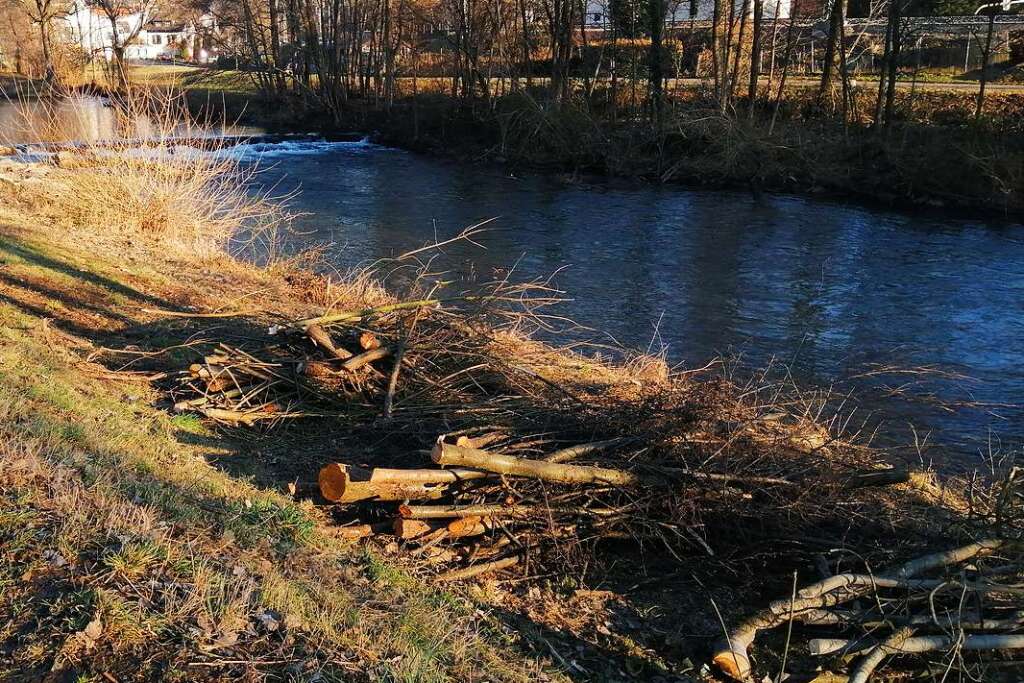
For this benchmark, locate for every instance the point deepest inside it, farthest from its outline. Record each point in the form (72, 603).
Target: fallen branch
(731, 654)
(365, 358)
(321, 337)
(478, 569)
(350, 316)
(450, 454)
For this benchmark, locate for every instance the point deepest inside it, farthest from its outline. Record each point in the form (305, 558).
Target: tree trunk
(986, 55)
(656, 73)
(755, 52)
(895, 41)
(837, 19)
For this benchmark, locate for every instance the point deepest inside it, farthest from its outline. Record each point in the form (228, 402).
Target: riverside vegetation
(934, 151)
(164, 402)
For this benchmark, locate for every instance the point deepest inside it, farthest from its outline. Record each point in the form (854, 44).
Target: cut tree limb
(573, 452)
(892, 645)
(478, 569)
(322, 338)
(731, 654)
(365, 358)
(470, 526)
(339, 486)
(450, 454)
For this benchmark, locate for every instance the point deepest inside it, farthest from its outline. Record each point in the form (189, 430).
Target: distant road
(157, 71)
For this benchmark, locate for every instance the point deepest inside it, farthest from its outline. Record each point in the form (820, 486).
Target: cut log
(338, 486)
(409, 529)
(478, 569)
(417, 476)
(368, 341)
(470, 526)
(322, 338)
(365, 358)
(450, 454)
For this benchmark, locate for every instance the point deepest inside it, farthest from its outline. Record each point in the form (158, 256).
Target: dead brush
(547, 458)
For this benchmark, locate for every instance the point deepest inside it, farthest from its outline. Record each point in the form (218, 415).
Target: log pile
(480, 511)
(531, 473)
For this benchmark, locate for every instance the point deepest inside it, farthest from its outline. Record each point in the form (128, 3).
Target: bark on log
(457, 511)
(480, 441)
(731, 654)
(338, 486)
(573, 452)
(450, 454)
(322, 338)
(365, 358)
(478, 569)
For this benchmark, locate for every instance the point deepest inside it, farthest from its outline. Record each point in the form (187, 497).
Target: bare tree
(42, 13)
(127, 19)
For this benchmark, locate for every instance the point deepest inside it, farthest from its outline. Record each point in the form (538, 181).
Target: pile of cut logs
(485, 511)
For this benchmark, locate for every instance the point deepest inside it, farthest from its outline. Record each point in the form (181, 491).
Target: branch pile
(966, 600)
(544, 456)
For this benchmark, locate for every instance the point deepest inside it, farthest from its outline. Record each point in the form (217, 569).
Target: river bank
(936, 156)
(174, 545)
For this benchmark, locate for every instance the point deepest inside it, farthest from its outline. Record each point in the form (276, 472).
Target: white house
(682, 11)
(90, 29)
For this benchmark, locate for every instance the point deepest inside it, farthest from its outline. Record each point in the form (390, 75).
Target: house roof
(164, 26)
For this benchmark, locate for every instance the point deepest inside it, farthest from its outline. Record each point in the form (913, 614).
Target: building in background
(158, 39)
(599, 12)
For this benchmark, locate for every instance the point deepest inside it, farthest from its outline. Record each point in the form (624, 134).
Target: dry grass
(113, 512)
(188, 199)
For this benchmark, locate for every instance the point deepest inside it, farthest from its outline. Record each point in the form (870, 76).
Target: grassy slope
(127, 553)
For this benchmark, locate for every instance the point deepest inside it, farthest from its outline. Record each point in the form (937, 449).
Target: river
(841, 294)
(835, 292)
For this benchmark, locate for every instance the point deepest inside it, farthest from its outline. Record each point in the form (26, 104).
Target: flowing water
(840, 294)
